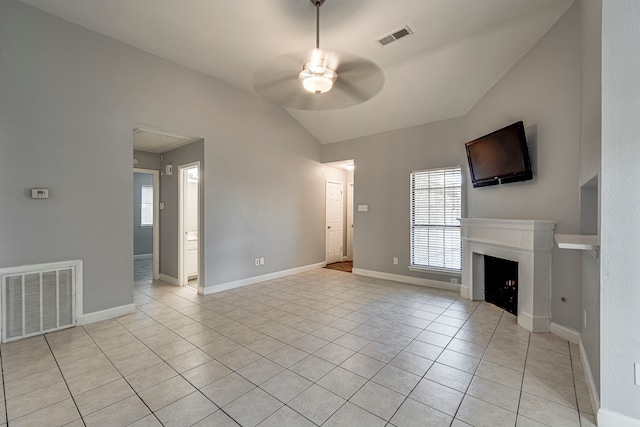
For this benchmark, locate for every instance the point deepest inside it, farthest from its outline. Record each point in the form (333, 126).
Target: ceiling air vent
(396, 35)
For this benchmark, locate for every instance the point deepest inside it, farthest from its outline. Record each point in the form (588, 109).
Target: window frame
(146, 206)
(449, 222)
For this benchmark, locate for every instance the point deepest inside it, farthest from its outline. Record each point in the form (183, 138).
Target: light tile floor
(318, 348)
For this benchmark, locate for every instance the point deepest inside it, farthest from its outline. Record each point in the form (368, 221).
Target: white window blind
(436, 205)
(146, 205)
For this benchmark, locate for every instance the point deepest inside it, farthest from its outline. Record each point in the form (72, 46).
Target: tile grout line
(4, 389)
(524, 369)
(63, 379)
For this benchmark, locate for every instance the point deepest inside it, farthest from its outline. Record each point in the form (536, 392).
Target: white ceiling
(459, 48)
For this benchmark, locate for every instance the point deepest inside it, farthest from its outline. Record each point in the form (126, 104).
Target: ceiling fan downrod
(317, 4)
(316, 76)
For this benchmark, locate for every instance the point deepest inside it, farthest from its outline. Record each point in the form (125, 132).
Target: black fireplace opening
(501, 283)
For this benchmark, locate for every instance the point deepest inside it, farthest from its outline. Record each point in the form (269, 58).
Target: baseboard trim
(591, 385)
(407, 279)
(257, 279)
(568, 334)
(464, 292)
(609, 418)
(109, 313)
(143, 256)
(170, 280)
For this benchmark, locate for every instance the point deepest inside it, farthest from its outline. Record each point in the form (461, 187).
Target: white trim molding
(109, 313)
(257, 279)
(609, 418)
(168, 279)
(143, 256)
(407, 279)
(563, 332)
(591, 385)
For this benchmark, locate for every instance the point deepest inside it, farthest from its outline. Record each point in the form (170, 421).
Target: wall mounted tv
(499, 157)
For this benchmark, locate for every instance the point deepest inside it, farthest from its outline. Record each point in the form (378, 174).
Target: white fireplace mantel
(527, 242)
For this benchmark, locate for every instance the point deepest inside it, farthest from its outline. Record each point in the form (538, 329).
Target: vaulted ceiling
(458, 49)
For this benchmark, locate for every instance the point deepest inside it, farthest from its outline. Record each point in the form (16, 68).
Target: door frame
(326, 218)
(183, 280)
(156, 217)
(350, 190)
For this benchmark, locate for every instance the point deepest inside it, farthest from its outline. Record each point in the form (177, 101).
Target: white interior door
(335, 210)
(189, 236)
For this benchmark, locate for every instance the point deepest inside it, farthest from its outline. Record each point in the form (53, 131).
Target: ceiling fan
(320, 80)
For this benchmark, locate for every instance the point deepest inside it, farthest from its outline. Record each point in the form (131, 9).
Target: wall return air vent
(396, 35)
(36, 299)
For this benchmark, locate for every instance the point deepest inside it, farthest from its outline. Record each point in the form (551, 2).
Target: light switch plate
(39, 193)
(363, 208)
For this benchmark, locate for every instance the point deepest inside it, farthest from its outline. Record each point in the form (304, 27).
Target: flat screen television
(499, 157)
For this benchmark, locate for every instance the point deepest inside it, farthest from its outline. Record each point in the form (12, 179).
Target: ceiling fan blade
(358, 81)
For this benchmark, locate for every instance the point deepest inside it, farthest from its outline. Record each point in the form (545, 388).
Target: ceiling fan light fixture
(317, 79)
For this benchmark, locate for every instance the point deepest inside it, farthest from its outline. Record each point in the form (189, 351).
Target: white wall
(590, 139)
(69, 100)
(543, 90)
(620, 231)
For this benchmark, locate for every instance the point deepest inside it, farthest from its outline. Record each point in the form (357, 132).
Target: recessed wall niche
(589, 207)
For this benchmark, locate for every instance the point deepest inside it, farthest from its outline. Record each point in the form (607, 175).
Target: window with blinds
(436, 205)
(146, 206)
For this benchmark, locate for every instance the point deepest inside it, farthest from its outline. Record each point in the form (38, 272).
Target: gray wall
(543, 90)
(590, 139)
(381, 180)
(142, 236)
(146, 160)
(69, 100)
(169, 185)
(620, 232)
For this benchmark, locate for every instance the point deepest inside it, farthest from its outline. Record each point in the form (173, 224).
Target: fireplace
(501, 283)
(525, 242)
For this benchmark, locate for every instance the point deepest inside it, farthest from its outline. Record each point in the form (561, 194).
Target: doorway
(339, 215)
(334, 237)
(146, 230)
(188, 220)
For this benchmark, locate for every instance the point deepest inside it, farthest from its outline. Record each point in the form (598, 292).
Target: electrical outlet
(395, 261)
(261, 260)
(257, 262)
(453, 279)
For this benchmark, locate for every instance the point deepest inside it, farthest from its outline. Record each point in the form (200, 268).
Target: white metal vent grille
(396, 35)
(38, 299)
